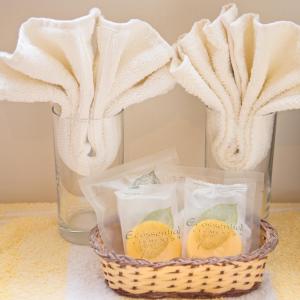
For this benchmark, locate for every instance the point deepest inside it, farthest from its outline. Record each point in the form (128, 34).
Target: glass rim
(56, 111)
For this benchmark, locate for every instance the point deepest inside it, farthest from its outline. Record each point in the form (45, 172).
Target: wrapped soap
(149, 222)
(255, 190)
(215, 219)
(99, 189)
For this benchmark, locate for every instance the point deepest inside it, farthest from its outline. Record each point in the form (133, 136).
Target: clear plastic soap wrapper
(208, 201)
(252, 198)
(149, 221)
(100, 188)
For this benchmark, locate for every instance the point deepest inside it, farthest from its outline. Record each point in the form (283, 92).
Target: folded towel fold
(244, 71)
(93, 68)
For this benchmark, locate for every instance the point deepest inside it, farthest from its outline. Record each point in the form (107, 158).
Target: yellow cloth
(33, 257)
(284, 262)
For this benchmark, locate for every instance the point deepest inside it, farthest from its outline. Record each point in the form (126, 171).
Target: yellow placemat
(33, 257)
(284, 263)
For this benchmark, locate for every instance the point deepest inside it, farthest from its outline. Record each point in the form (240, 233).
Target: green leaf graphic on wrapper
(162, 215)
(145, 179)
(223, 212)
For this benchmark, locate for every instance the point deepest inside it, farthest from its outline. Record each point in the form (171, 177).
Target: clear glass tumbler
(75, 215)
(266, 167)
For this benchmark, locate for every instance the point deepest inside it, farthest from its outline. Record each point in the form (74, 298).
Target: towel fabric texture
(36, 263)
(93, 69)
(244, 71)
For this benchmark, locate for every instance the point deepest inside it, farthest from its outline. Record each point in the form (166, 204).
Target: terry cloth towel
(243, 71)
(93, 68)
(29, 270)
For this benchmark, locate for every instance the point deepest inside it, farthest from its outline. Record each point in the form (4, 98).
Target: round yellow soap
(154, 241)
(213, 238)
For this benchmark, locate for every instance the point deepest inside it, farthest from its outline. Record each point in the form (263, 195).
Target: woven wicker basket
(184, 277)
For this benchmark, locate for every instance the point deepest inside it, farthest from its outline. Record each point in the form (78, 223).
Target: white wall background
(26, 149)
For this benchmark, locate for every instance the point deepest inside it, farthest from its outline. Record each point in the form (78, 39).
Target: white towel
(243, 71)
(93, 69)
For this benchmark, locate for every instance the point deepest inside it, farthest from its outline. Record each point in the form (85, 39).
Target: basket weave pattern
(185, 277)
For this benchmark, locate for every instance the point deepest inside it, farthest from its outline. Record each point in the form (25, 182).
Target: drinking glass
(75, 215)
(266, 166)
